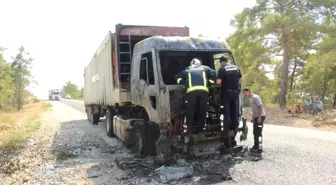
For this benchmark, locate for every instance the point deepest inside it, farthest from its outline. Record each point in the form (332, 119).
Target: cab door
(146, 88)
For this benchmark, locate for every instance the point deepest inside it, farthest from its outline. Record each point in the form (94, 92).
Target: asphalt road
(291, 156)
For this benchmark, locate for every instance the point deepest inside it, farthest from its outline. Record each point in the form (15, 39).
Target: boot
(256, 150)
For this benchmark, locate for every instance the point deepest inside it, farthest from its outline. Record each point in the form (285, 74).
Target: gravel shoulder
(69, 150)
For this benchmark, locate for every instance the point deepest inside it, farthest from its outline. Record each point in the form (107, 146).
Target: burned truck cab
(155, 61)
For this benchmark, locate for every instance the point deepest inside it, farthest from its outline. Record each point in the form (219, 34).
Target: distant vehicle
(67, 97)
(130, 81)
(54, 94)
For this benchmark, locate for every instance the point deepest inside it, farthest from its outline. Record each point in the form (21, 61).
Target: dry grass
(17, 126)
(322, 121)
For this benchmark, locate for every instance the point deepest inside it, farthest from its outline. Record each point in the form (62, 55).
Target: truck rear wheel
(88, 113)
(109, 124)
(93, 118)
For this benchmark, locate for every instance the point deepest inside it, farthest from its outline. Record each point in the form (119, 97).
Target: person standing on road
(258, 118)
(196, 78)
(229, 77)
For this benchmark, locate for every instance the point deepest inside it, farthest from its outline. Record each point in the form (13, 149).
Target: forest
(286, 50)
(15, 78)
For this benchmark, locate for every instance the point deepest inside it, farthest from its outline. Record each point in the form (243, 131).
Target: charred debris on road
(206, 169)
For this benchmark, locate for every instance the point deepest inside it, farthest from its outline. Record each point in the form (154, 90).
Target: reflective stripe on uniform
(197, 88)
(204, 79)
(211, 81)
(230, 68)
(189, 79)
(179, 80)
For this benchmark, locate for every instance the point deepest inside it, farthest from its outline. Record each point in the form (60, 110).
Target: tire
(95, 119)
(142, 144)
(109, 124)
(147, 133)
(88, 114)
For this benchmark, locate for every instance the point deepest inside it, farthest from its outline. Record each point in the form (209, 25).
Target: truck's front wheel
(142, 139)
(109, 124)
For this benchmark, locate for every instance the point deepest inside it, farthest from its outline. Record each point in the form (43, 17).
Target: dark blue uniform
(196, 80)
(230, 89)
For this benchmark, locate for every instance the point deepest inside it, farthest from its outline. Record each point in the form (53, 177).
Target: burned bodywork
(130, 81)
(160, 58)
(172, 54)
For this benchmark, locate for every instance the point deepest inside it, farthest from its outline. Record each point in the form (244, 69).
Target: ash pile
(183, 170)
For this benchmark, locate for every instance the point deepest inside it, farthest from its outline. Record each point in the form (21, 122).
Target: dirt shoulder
(17, 126)
(67, 149)
(321, 121)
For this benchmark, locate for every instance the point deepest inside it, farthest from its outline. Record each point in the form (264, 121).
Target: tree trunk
(324, 86)
(284, 73)
(293, 76)
(19, 90)
(334, 105)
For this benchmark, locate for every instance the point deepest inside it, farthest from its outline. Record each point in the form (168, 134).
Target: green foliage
(21, 67)
(71, 89)
(6, 82)
(14, 78)
(292, 40)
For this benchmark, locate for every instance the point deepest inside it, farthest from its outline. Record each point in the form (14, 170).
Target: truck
(130, 82)
(54, 94)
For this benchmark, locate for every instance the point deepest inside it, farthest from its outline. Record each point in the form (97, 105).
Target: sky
(62, 35)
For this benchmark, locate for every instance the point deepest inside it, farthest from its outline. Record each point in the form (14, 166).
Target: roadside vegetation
(71, 90)
(20, 110)
(287, 50)
(17, 126)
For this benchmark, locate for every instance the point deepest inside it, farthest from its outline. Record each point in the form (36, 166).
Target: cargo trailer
(54, 94)
(130, 81)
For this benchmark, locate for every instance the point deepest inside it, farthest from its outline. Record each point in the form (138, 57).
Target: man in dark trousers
(196, 78)
(258, 118)
(229, 77)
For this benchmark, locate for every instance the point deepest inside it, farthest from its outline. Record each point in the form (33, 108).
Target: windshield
(56, 93)
(172, 62)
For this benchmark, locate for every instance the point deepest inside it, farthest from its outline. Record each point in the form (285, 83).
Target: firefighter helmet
(195, 63)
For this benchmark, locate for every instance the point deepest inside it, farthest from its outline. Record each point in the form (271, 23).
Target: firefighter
(196, 78)
(258, 119)
(229, 77)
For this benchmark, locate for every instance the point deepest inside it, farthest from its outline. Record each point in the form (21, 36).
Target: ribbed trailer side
(98, 85)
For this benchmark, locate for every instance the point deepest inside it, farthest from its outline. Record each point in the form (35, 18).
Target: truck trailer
(54, 94)
(130, 81)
